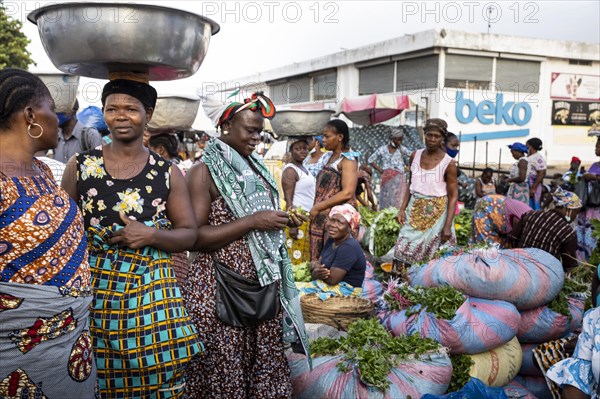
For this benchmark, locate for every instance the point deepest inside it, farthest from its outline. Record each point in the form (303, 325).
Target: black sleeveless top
(101, 197)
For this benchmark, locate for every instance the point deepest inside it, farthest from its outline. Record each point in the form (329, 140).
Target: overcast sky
(259, 35)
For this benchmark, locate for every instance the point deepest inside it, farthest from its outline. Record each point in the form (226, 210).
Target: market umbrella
(373, 108)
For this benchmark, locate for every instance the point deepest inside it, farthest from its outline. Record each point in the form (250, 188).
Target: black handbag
(593, 194)
(241, 302)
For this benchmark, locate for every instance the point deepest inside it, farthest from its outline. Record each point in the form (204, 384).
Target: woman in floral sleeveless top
(137, 211)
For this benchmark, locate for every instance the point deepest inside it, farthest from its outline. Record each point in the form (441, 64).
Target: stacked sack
(525, 280)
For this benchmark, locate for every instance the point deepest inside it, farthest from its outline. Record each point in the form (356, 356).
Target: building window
(517, 76)
(376, 79)
(468, 72)
(417, 73)
(580, 62)
(298, 89)
(325, 86)
(279, 93)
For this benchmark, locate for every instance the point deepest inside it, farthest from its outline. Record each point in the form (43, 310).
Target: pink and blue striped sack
(543, 324)
(412, 378)
(527, 277)
(479, 325)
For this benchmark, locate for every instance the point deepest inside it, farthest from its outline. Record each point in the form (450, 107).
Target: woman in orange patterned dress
(45, 294)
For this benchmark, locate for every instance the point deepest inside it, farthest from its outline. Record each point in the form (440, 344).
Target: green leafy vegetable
(386, 228)
(462, 225)
(373, 351)
(302, 272)
(442, 301)
(461, 366)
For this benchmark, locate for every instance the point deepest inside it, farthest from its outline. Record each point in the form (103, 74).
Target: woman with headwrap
(311, 162)
(341, 269)
(299, 193)
(45, 289)
(240, 226)
(551, 230)
(388, 160)
(426, 213)
(137, 211)
(336, 182)
(537, 171)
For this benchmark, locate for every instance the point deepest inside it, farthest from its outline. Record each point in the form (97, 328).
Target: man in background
(73, 136)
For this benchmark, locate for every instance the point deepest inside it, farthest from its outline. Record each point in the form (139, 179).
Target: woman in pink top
(493, 219)
(427, 209)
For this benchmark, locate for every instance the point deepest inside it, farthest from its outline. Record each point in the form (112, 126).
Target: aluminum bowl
(93, 39)
(63, 89)
(300, 122)
(174, 112)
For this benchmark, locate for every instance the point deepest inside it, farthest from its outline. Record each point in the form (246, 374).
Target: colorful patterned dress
(329, 183)
(393, 179)
(45, 293)
(420, 236)
(239, 362)
(519, 191)
(143, 336)
(304, 196)
(492, 219)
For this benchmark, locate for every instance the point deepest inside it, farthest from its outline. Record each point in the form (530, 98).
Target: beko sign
(489, 112)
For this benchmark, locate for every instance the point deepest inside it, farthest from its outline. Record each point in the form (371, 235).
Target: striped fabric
(143, 336)
(546, 230)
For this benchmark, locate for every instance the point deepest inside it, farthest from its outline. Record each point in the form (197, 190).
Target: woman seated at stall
(551, 230)
(485, 184)
(494, 218)
(341, 269)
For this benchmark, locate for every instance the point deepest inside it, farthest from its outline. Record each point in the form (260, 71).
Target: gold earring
(29, 130)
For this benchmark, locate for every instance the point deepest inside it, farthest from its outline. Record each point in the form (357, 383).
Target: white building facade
(492, 90)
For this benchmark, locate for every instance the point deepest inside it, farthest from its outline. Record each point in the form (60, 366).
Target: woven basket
(337, 312)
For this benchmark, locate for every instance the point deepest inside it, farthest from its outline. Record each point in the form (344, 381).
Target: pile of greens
(462, 225)
(386, 229)
(373, 350)
(302, 272)
(577, 281)
(461, 366)
(595, 257)
(443, 301)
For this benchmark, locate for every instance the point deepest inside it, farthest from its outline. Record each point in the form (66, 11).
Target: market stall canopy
(372, 109)
(163, 43)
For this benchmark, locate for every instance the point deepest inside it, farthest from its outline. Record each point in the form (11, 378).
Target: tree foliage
(13, 43)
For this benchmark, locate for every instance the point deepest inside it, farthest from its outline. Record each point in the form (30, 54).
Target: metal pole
(486, 153)
(474, 153)
(417, 117)
(459, 140)
(499, 159)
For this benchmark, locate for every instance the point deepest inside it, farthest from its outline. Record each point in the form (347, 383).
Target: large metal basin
(91, 39)
(300, 122)
(174, 112)
(63, 89)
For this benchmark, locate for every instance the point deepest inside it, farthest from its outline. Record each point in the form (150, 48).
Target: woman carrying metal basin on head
(137, 212)
(135, 204)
